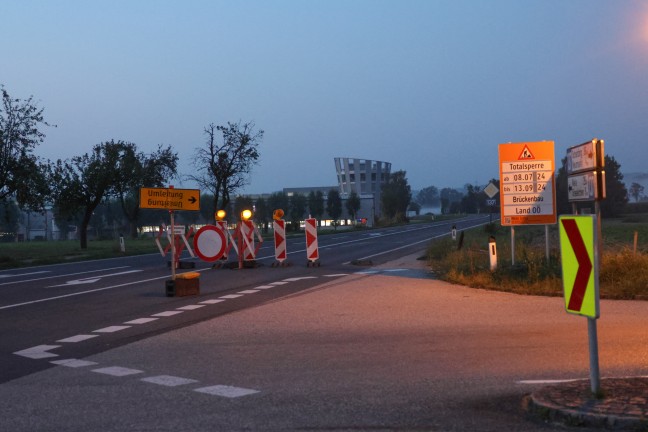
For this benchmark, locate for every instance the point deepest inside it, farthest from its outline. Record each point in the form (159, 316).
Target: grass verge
(623, 268)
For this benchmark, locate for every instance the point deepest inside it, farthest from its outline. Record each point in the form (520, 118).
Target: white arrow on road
(92, 279)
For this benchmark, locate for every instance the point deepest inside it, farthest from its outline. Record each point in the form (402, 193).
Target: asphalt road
(109, 303)
(383, 349)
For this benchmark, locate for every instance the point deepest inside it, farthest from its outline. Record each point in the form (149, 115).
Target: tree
(428, 197)
(137, 170)
(636, 191)
(615, 190)
(22, 174)
(9, 220)
(396, 196)
(223, 168)
(448, 197)
(262, 213)
(334, 206)
(80, 184)
(470, 201)
(278, 200)
(316, 205)
(298, 204)
(353, 205)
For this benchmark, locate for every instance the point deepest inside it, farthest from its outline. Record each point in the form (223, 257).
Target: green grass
(23, 254)
(623, 272)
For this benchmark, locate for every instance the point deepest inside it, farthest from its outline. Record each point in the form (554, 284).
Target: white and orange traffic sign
(579, 259)
(527, 193)
(170, 199)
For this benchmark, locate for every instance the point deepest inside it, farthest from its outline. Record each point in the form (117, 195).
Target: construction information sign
(170, 199)
(527, 192)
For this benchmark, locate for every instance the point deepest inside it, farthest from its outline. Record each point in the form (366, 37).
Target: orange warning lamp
(246, 214)
(277, 214)
(220, 215)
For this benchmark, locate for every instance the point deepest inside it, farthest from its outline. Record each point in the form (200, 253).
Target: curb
(623, 407)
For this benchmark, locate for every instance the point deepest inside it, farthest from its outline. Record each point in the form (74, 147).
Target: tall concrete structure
(364, 177)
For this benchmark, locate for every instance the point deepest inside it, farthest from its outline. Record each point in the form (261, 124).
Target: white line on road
(117, 371)
(226, 391)
(167, 313)
(63, 276)
(251, 291)
(191, 307)
(74, 363)
(38, 352)
(93, 279)
(168, 380)
(111, 329)
(141, 321)
(10, 275)
(77, 338)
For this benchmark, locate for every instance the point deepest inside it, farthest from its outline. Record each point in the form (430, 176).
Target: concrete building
(364, 177)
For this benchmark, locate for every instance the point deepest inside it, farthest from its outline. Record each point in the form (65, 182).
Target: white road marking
(74, 363)
(248, 291)
(62, 276)
(10, 275)
(111, 329)
(191, 307)
(117, 371)
(263, 287)
(38, 352)
(395, 270)
(295, 279)
(141, 320)
(231, 296)
(278, 283)
(167, 313)
(367, 272)
(168, 380)
(547, 381)
(226, 391)
(209, 302)
(93, 279)
(77, 338)
(336, 275)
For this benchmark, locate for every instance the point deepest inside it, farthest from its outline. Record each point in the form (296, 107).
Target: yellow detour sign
(170, 199)
(578, 251)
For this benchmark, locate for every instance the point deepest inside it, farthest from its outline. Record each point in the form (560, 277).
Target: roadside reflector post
(454, 232)
(122, 245)
(492, 253)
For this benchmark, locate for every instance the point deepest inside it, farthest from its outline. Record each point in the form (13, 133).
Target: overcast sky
(431, 86)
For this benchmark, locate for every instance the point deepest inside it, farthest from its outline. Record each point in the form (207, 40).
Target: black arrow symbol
(192, 200)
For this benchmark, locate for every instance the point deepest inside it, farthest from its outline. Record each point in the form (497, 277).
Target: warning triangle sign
(526, 154)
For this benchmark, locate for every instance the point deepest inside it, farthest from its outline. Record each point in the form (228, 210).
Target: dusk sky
(431, 86)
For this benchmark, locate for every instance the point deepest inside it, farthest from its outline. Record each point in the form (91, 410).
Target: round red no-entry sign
(209, 243)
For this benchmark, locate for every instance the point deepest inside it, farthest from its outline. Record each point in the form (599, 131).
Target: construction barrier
(312, 250)
(179, 238)
(279, 228)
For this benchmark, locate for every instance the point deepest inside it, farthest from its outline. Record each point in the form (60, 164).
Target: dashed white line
(74, 363)
(38, 352)
(117, 371)
(191, 307)
(248, 291)
(231, 296)
(168, 380)
(141, 321)
(77, 338)
(226, 391)
(547, 381)
(167, 313)
(278, 283)
(295, 279)
(264, 287)
(336, 275)
(209, 302)
(111, 329)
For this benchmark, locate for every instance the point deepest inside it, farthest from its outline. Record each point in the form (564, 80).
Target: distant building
(364, 177)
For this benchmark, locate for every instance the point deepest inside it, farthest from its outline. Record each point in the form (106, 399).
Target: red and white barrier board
(279, 227)
(312, 250)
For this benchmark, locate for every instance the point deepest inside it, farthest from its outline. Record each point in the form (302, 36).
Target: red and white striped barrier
(279, 228)
(312, 250)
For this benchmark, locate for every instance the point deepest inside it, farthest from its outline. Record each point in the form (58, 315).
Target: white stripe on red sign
(312, 251)
(279, 227)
